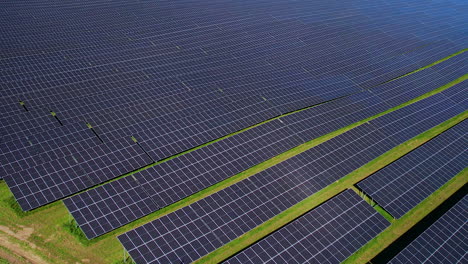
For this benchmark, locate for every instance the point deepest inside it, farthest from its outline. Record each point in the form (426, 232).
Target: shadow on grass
(127, 260)
(73, 228)
(16, 208)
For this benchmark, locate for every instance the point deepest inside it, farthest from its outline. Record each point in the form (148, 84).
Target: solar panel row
(76, 140)
(69, 174)
(137, 127)
(179, 74)
(329, 233)
(143, 18)
(175, 147)
(404, 89)
(443, 242)
(64, 114)
(241, 207)
(20, 154)
(194, 171)
(307, 125)
(367, 42)
(402, 185)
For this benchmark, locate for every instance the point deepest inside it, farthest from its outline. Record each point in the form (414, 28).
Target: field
(49, 234)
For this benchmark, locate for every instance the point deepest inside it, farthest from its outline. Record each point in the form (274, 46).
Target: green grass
(402, 225)
(325, 194)
(49, 240)
(57, 239)
(374, 204)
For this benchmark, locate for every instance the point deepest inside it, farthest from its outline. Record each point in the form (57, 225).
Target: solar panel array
(182, 176)
(443, 242)
(164, 188)
(406, 182)
(193, 78)
(329, 233)
(124, 84)
(241, 207)
(68, 174)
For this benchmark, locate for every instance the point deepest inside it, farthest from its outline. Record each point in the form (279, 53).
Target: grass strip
(373, 203)
(325, 194)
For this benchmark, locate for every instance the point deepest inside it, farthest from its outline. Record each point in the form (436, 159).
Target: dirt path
(6, 240)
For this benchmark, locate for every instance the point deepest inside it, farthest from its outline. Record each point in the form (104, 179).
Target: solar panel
(457, 92)
(406, 182)
(326, 118)
(128, 77)
(20, 154)
(25, 123)
(328, 233)
(87, 106)
(231, 212)
(237, 209)
(418, 117)
(438, 50)
(59, 178)
(206, 70)
(443, 242)
(457, 67)
(185, 175)
(404, 89)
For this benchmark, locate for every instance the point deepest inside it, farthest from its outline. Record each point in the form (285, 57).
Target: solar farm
(217, 131)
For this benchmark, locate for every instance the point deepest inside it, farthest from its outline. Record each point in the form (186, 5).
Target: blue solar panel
(443, 242)
(457, 94)
(241, 207)
(69, 174)
(21, 154)
(418, 117)
(404, 89)
(406, 182)
(185, 175)
(328, 233)
(176, 75)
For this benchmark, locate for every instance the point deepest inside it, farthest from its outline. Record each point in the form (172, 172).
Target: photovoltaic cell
(182, 176)
(326, 118)
(94, 80)
(457, 94)
(418, 117)
(294, 25)
(328, 233)
(443, 242)
(26, 123)
(131, 69)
